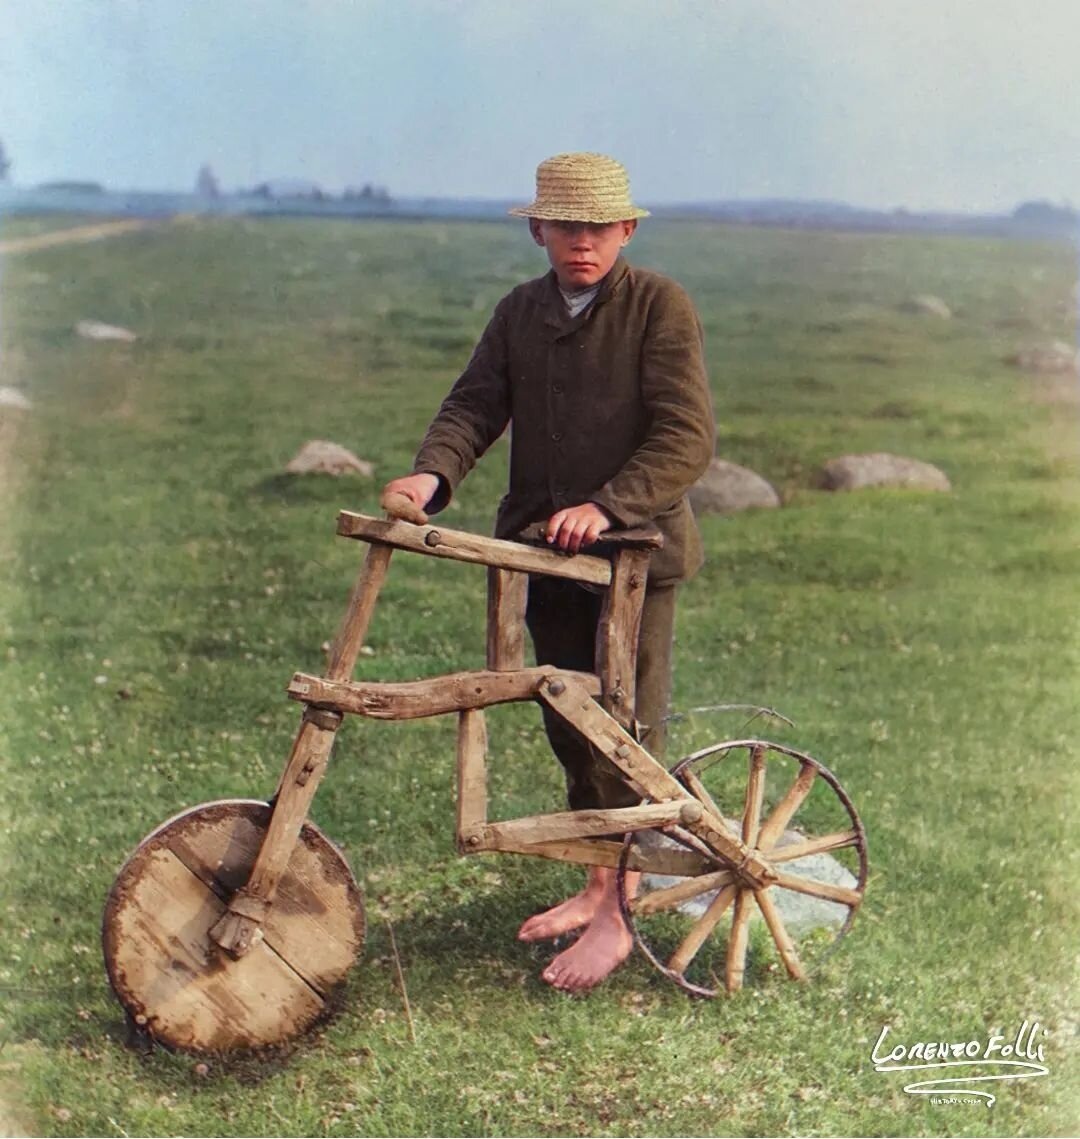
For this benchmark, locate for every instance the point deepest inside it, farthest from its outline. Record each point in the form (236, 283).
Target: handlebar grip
(647, 537)
(398, 505)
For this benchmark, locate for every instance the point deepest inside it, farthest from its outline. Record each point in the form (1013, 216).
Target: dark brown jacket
(611, 406)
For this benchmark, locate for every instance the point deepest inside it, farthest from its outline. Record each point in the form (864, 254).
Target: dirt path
(75, 234)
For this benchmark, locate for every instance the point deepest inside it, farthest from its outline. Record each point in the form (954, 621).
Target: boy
(599, 368)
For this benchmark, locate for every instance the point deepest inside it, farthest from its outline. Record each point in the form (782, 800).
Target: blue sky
(941, 104)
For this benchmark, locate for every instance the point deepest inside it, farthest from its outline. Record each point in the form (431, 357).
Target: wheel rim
(176, 984)
(803, 831)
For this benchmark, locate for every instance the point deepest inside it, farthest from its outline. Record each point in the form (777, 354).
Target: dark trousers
(562, 618)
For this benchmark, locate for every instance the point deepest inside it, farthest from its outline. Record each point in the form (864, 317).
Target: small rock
(12, 397)
(726, 488)
(95, 330)
(1047, 359)
(317, 456)
(855, 472)
(928, 305)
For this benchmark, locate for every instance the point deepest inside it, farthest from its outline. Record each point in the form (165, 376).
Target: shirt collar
(556, 314)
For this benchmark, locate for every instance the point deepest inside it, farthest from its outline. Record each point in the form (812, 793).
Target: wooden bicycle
(232, 924)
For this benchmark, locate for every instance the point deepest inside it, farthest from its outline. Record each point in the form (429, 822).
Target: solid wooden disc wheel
(794, 816)
(178, 985)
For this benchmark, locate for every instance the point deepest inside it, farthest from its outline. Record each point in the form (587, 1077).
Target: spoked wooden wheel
(804, 873)
(177, 984)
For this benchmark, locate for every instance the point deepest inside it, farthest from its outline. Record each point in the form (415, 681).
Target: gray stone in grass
(96, 330)
(1047, 359)
(801, 913)
(726, 488)
(319, 456)
(12, 397)
(928, 305)
(879, 469)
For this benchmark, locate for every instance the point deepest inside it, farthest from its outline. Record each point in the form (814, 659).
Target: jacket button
(556, 436)
(557, 389)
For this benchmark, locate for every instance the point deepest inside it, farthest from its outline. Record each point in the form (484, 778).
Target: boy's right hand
(418, 489)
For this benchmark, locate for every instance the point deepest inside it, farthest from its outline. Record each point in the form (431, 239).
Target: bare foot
(571, 914)
(601, 948)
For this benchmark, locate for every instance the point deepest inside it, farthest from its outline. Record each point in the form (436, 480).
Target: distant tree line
(208, 186)
(1045, 215)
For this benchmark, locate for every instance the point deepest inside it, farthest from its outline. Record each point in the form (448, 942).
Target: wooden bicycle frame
(599, 706)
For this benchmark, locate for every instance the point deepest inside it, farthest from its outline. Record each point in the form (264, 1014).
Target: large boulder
(854, 472)
(726, 488)
(318, 456)
(1046, 359)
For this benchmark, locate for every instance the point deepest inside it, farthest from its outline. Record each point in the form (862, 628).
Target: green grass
(925, 645)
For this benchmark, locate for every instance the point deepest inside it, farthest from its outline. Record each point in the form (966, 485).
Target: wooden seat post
(508, 594)
(617, 633)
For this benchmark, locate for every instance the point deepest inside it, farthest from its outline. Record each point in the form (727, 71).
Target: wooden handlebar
(398, 505)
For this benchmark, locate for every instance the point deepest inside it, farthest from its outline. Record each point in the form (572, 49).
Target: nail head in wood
(556, 687)
(432, 538)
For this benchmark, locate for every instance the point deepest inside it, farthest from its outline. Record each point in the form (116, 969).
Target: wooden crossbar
(464, 547)
(411, 699)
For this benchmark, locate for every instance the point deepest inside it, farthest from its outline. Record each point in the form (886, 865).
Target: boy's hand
(418, 489)
(577, 526)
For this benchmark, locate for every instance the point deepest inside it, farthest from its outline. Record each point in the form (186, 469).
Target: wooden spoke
(698, 789)
(737, 943)
(748, 861)
(667, 897)
(755, 794)
(827, 842)
(697, 937)
(780, 935)
(786, 808)
(815, 889)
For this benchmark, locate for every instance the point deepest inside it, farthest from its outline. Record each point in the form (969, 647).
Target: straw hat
(581, 187)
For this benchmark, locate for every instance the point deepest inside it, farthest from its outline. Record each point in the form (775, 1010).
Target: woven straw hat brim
(582, 187)
(545, 211)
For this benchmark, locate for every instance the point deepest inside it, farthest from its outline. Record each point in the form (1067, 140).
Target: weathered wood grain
(617, 633)
(465, 547)
(435, 696)
(508, 593)
(471, 774)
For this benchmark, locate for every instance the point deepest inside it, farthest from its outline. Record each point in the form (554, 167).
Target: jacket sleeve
(680, 435)
(472, 416)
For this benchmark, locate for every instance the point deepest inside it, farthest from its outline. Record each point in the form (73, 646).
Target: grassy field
(163, 579)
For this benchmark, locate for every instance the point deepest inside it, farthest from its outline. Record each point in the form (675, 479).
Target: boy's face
(581, 253)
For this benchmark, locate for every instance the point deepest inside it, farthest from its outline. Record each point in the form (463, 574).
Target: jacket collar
(556, 316)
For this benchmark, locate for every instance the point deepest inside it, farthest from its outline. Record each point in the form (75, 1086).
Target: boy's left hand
(577, 526)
